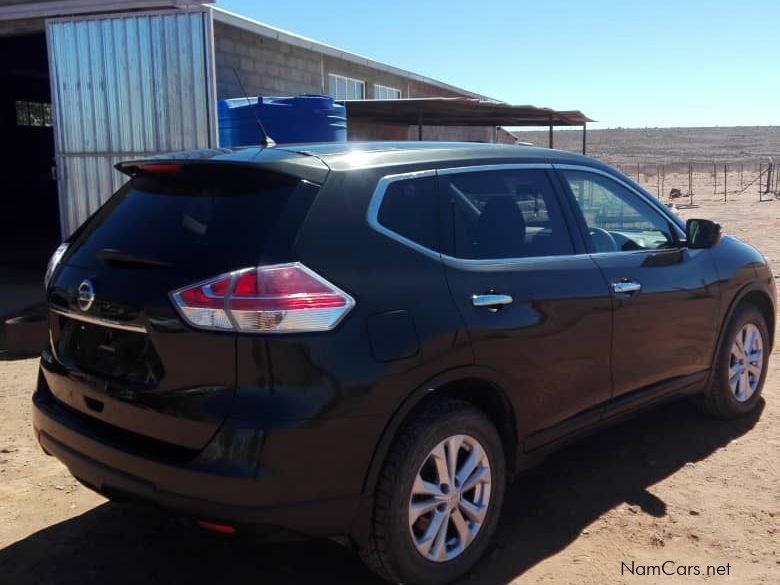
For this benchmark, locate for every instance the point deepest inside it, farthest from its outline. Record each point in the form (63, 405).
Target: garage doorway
(29, 208)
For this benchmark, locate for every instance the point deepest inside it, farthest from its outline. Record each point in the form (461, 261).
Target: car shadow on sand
(546, 509)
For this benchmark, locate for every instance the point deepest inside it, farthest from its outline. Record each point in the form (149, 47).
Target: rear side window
(410, 209)
(506, 214)
(204, 218)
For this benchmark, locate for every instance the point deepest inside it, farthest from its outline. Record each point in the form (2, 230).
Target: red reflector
(161, 168)
(210, 295)
(214, 527)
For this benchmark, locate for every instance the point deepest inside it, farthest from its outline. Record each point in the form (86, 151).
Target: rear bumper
(204, 489)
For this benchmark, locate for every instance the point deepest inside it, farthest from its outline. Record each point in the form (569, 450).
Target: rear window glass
(410, 208)
(203, 218)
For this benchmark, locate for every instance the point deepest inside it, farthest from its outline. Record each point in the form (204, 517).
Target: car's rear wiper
(117, 257)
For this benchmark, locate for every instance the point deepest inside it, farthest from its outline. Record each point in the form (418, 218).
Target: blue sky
(623, 62)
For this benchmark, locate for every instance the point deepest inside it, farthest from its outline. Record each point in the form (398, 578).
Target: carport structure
(462, 112)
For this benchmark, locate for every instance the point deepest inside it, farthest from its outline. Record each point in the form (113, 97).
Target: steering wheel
(602, 240)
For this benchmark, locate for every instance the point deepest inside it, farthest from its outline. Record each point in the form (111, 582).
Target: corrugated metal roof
(26, 9)
(459, 112)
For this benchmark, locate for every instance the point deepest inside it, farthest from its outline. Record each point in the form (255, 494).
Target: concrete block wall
(266, 66)
(273, 68)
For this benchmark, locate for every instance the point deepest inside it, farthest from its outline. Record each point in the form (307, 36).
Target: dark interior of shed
(29, 209)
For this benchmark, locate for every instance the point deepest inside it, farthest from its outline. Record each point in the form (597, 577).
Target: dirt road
(669, 485)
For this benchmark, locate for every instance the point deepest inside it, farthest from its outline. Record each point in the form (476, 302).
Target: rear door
(537, 311)
(120, 352)
(666, 296)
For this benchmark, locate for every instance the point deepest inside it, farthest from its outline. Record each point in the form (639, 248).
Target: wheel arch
(471, 384)
(762, 301)
(479, 386)
(755, 295)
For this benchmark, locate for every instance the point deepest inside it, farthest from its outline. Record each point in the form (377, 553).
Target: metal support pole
(551, 132)
(584, 136)
(725, 182)
(760, 172)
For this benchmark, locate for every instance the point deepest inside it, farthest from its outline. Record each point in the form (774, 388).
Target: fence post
(769, 171)
(741, 168)
(725, 181)
(714, 179)
(760, 172)
(690, 181)
(638, 180)
(663, 178)
(777, 182)
(658, 180)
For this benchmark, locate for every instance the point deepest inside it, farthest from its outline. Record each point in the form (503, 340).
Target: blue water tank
(303, 118)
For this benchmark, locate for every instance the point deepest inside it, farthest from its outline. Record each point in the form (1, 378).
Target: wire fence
(688, 182)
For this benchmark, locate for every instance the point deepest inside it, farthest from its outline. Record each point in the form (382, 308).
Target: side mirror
(702, 233)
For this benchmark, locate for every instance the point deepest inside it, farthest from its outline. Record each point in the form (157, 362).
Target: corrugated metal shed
(123, 87)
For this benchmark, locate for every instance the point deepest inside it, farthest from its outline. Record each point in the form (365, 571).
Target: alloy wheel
(450, 498)
(746, 362)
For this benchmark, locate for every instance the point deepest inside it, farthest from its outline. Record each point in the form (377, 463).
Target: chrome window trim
(379, 192)
(504, 262)
(494, 167)
(372, 215)
(97, 320)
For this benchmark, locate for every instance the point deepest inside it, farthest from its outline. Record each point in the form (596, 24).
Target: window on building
(383, 92)
(345, 88)
(33, 114)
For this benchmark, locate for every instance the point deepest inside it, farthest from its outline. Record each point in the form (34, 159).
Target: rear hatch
(120, 353)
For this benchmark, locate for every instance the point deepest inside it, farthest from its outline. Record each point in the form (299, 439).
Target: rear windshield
(200, 219)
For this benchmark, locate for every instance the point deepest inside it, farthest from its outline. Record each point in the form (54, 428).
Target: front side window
(506, 214)
(409, 208)
(617, 219)
(345, 88)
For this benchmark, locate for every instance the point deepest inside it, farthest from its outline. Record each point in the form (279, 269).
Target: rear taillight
(283, 298)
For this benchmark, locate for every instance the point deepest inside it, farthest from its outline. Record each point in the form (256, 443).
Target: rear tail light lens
(283, 298)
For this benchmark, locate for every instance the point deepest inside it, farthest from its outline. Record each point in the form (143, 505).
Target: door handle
(626, 287)
(490, 301)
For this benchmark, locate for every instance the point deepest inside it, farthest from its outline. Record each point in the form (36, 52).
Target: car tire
(403, 552)
(736, 385)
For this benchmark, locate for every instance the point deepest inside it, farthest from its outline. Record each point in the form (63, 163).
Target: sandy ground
(669, 485)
